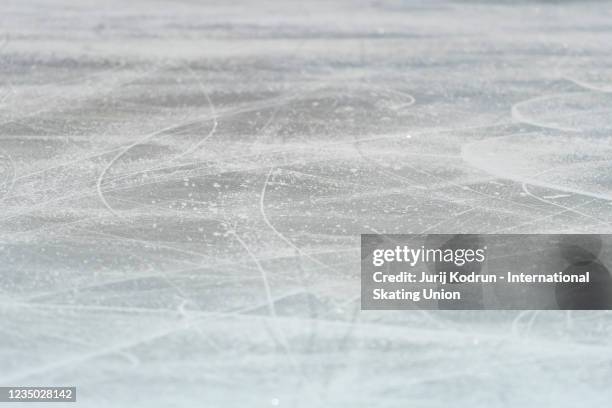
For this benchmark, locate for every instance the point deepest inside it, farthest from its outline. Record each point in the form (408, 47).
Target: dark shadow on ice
(582, 252)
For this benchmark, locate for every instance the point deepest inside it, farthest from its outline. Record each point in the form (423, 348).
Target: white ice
(183, 185)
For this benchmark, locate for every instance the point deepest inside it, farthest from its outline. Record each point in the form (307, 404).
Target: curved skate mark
(213, 117)
(532, 320)
(383, 90)
(189, 150)
(195, 266)
(325, 146)
(226, 113)
(371, 88)
(376, 329)
(545, 198)
(117, 157)
(411, 100)
(444, 182)
(204, 264)
(373, 327)
(93, 192)
(262, 210)
(516, 322)
(116, 84)
(277, 103)
(587, 85)
(186, 315)
(161, 274)
(383, 169)
(280, 337)
(474, 157)
(569, 209)
(247, 155)
(519, 117)
(86, 193)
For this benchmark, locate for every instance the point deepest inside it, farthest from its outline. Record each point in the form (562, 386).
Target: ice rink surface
(183, 185)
